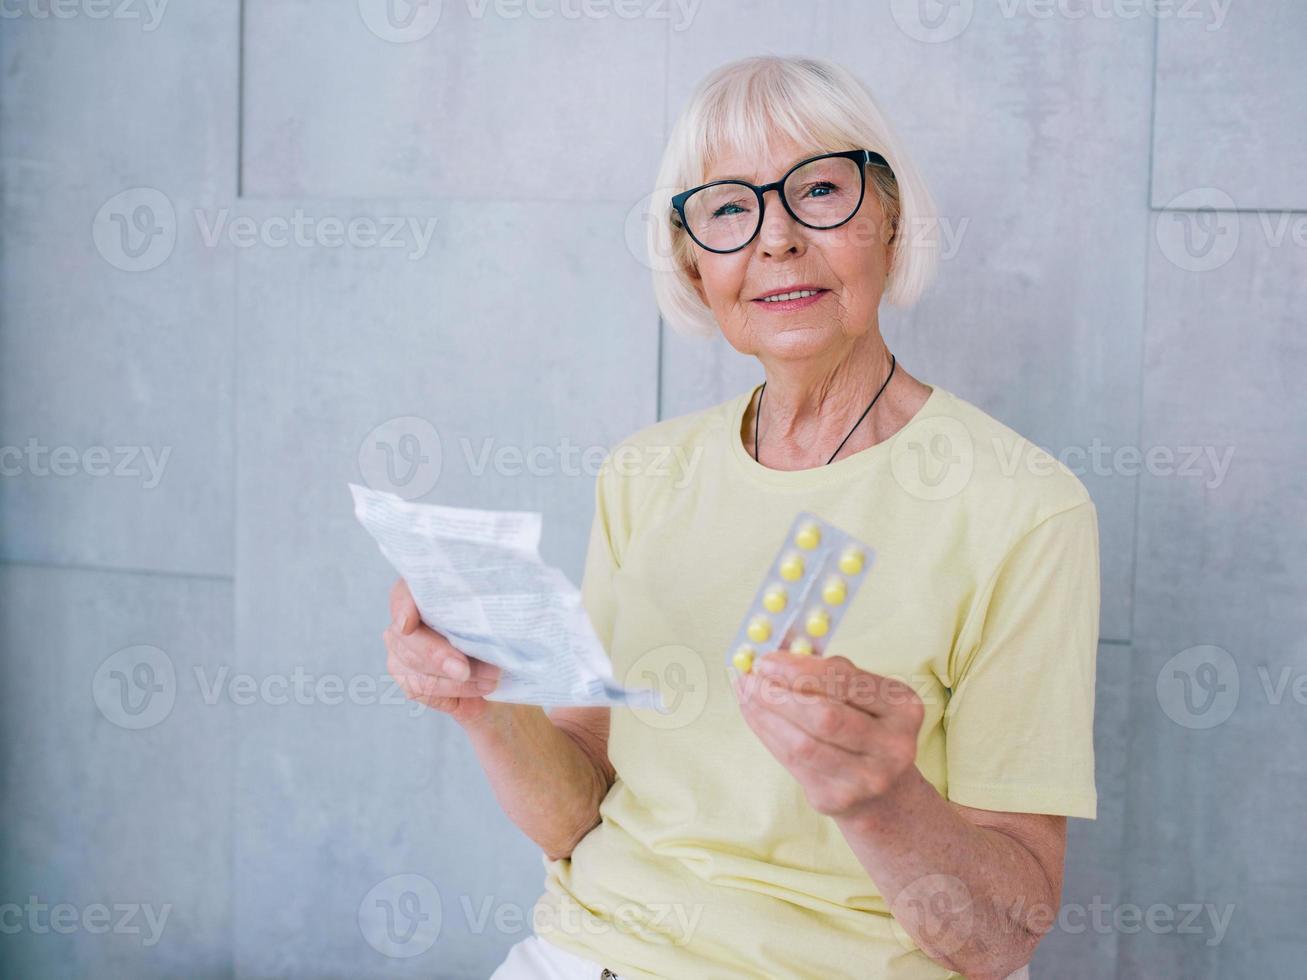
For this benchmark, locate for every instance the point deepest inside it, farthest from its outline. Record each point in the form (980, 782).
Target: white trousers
(536, 959)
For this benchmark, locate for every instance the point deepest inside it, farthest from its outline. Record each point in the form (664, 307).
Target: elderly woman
(895, 807)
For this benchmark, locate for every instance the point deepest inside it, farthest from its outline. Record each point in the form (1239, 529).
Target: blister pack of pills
(810, 583)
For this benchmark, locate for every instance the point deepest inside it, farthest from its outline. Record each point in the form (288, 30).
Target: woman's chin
(797, 339)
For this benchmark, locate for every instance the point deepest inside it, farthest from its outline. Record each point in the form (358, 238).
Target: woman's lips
(786, 305)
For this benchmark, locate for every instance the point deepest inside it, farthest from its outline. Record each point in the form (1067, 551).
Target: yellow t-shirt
(708, 861)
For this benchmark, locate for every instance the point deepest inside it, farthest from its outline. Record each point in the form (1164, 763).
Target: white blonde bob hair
(745, 105)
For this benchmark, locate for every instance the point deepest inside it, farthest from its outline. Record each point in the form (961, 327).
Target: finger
(429, 651)
(423, 660)
(875, 742)
(403, 610)
(840, 679)
(796, 748)
(418, 684)
(828, 719)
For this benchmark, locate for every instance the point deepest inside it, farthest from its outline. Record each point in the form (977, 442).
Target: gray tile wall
(248, 255)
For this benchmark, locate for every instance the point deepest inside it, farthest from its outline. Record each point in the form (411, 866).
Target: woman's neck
(808, 408)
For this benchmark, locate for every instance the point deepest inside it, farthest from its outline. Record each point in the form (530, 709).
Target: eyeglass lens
(822, 194)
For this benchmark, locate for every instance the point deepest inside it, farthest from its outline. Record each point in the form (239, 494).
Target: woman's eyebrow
(751, 180)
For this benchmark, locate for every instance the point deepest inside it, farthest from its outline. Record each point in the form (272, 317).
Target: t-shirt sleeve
(603, 556)
(1019, 725)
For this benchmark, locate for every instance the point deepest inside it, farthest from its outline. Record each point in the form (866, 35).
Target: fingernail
(487, 684)
(401, 623)
(459, 670)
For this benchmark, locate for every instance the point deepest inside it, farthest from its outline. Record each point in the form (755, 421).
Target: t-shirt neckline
(826, 474)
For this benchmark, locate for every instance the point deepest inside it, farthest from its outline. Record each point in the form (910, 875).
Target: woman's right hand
(429, 668)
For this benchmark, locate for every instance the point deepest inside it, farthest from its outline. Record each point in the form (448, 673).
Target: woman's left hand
(847, 735)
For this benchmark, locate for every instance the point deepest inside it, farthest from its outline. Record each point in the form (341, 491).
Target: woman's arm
(976, 889)
(549, 772)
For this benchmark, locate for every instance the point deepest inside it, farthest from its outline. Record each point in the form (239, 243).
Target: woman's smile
(792, 299)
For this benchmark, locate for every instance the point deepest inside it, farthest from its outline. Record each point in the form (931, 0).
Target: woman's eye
(823, 186)
(726, 209)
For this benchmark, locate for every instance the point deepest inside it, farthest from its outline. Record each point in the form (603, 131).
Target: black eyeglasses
(821, 192)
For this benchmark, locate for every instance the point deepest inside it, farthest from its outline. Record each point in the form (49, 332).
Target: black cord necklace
(892, 363)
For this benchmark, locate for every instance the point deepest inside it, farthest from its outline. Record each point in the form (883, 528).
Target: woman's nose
(779, 233)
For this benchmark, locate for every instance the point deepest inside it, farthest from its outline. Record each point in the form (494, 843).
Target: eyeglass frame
(864, 157)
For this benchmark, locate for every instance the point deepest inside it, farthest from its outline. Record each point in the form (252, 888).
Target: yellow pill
(809, 536)
(851, 561)
(818, 622)
(743, 658)
(759, 630)
(834, 591)
(774, 599)
(801, 644)
(791, 567)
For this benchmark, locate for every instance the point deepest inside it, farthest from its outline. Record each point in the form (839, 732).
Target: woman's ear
(696, 280)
